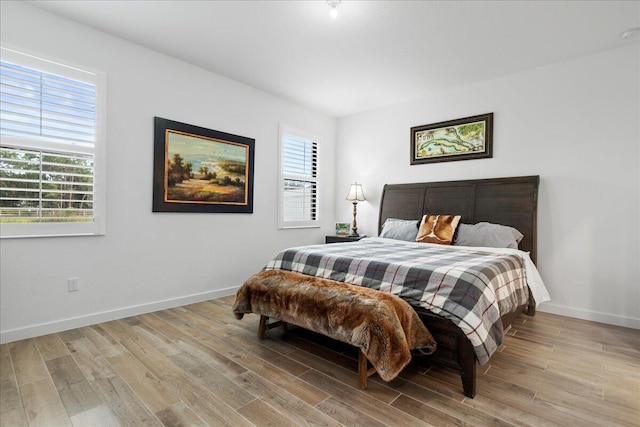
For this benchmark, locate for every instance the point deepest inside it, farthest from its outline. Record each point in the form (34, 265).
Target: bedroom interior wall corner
(149, 260)
(550, 121)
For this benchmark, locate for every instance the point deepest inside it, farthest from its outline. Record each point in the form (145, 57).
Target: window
(51, 148)
(298, 180)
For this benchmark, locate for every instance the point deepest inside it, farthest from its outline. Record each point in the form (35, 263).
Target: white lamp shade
(355, 193)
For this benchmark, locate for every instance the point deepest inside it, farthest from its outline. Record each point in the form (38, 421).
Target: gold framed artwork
(460, 139)
(201, 170)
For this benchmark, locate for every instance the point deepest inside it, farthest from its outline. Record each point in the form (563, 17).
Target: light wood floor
(198, 365)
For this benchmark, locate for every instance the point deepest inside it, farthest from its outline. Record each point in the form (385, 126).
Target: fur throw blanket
(383, 326)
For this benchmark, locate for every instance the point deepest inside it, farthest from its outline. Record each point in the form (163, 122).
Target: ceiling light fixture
(334, 7)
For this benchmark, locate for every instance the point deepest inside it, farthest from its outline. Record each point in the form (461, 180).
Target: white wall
(575, 124)
(149, 261)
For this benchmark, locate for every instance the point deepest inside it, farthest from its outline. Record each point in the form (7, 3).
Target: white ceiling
(375, 53)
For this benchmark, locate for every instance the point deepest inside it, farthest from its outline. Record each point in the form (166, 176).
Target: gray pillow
(488, 235)
(400, 229)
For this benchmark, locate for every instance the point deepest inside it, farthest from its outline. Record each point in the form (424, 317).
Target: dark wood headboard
(507, 201)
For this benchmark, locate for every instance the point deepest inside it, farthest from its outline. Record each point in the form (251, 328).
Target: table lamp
(355, 195)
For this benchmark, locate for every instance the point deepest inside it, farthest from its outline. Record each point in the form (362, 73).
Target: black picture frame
(461, 139)
(201, 170)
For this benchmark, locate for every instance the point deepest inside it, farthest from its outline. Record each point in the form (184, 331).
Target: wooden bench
(364, 371)
(384, 327)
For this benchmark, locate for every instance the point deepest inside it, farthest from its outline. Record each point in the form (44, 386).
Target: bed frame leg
(467, 360)
(531, 308)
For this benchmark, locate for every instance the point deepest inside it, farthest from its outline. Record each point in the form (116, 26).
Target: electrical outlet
(74, 284)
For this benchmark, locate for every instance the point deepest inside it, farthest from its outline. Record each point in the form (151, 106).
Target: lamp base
(354, 228)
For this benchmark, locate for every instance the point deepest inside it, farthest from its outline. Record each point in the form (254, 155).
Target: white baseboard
(595, 316)
(105, 316)
(91, 319)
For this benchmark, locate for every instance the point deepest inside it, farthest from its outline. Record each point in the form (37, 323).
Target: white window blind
(49, 156)
(299, 180)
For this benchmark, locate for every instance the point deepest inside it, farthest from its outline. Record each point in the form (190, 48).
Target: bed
(506, 201)
(509, 201)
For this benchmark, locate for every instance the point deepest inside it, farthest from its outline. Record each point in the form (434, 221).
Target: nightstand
(338, 239)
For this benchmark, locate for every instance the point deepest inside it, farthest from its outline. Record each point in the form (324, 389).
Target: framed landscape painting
(461, 139)
(201, 170)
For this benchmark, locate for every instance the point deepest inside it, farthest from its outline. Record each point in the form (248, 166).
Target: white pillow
(400, 229)
(485, 234)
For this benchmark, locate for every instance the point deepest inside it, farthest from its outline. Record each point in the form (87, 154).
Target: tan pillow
(438, 229)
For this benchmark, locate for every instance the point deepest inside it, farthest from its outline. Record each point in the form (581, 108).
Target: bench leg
(364, 371)
(264, 326)
(363, 365)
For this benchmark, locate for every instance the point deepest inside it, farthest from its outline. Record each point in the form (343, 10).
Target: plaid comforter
(471, 288)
